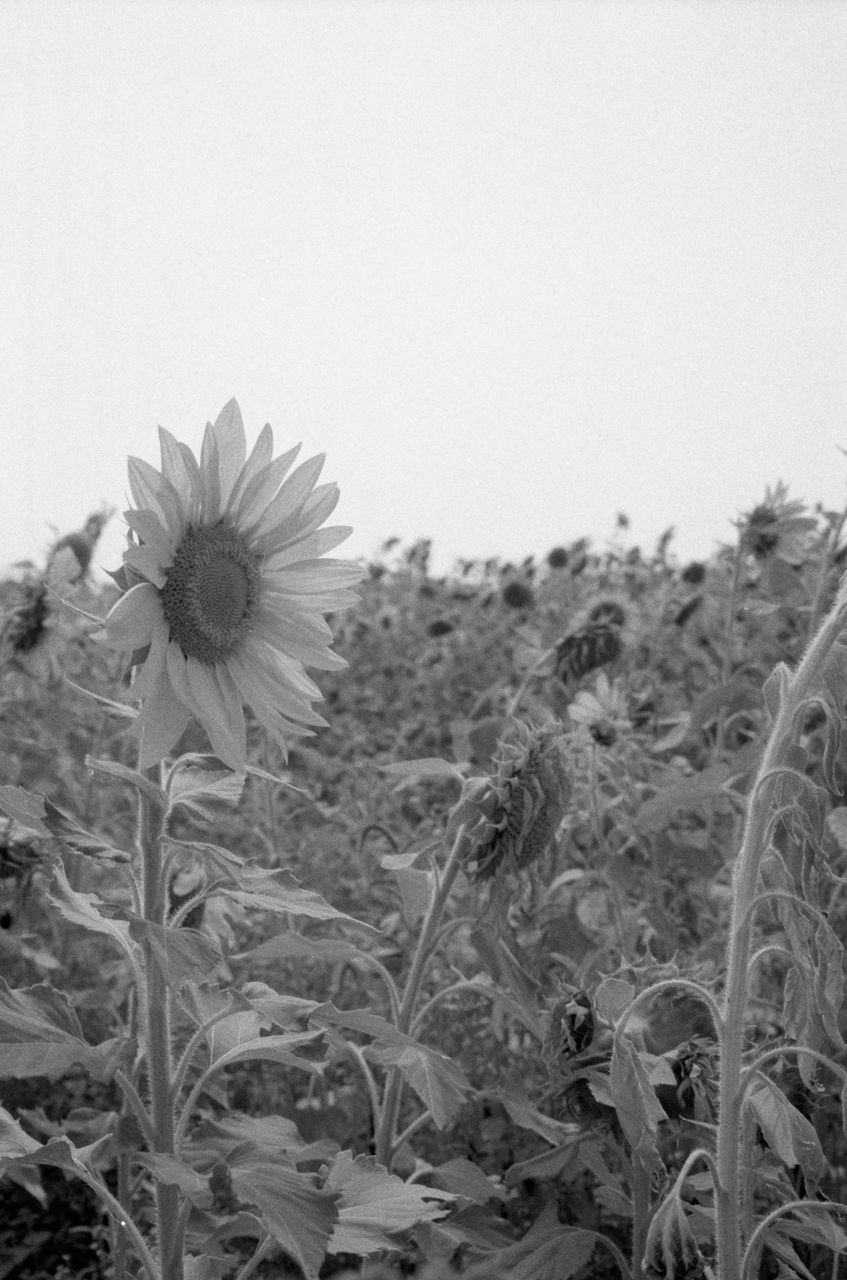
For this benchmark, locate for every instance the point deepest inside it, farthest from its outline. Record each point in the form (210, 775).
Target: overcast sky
(514, 266)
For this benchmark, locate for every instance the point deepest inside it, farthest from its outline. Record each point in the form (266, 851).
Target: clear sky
(513, 266)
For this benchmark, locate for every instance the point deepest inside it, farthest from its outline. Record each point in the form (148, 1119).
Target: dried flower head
(777, 527)
(226, 590)
(26, 625)
(586, 649)
(512, 815)
(570, 1029)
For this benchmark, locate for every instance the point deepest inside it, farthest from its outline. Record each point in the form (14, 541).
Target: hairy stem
(157, 1027)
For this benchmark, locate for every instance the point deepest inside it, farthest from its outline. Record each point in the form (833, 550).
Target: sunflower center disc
(211, 593)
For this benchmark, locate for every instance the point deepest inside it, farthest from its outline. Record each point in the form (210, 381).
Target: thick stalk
(803, 684)
(384, 1142)
(157, 1013)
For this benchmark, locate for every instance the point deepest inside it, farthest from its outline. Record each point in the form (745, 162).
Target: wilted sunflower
(226, 591)
(512, 816)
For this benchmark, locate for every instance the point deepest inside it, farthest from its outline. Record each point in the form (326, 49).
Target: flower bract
(226, 590)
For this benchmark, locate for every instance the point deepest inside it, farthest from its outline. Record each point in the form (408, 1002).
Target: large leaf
(303, 1049)
(439, 1083)
(300, 1216)
(201, 789)
(180, 954)
(684, 793)
(83, 909)
(290, 943)
(548, 1251)
(174, 1173)
(374, 1204)
(40, 1035)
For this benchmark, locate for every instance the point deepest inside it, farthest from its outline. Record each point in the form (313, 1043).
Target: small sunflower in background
(225, 590)
(777, 528)
(602, 712)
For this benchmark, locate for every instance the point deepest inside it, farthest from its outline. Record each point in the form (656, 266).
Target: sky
(515, 267)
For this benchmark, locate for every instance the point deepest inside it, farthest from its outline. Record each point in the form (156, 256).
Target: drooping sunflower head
(226, 589)
(512, 815)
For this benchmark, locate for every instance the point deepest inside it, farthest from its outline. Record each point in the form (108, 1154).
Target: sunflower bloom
(226, 591)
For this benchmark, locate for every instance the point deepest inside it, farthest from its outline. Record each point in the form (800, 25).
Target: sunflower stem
(803, 684)
(384, 1142)
(157, 1026)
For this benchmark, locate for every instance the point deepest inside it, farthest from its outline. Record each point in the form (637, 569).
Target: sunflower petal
(232, 448)
(131, 621)
(161, 724)
(215, 705)
(290, 498)
(263, 487)
(259, 460)
(150, 529)
(308, 547)
(148, 563)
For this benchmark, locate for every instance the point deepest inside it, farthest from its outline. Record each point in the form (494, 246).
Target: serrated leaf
(639, 1110)
(374, 1204)
(299, 1216)
(303, 1049)
(25, 807)
(41, 1035)
(68, 830)
(83, 909)
(201, 790)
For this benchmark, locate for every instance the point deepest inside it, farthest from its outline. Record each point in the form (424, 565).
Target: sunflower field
(506, 944)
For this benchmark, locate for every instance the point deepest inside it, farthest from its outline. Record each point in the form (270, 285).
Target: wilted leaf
(637, 1106)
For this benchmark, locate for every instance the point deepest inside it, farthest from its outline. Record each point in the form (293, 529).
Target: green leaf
(284, 945)
(639, 1110)
(426, 767)
(439, 1083)
(526, 1116)
(299, 1216)
(112, 769)
(374, 1204)
(14, 1141)
(303, 1049)
(612, 998)
(69, 831)
(40, 1035)
(464, 1178)
(206, 1267)
(202, 789)
(173, 1173)
(786, 1130)
(687, 793)
(180, 954)
(25, 807)
(83, 909)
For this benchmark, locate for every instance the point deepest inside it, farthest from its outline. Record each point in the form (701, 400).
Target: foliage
(617, 1050)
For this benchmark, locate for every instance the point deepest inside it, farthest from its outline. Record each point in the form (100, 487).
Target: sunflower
(225, 591)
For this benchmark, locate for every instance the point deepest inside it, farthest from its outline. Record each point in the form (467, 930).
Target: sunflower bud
(512, 815)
